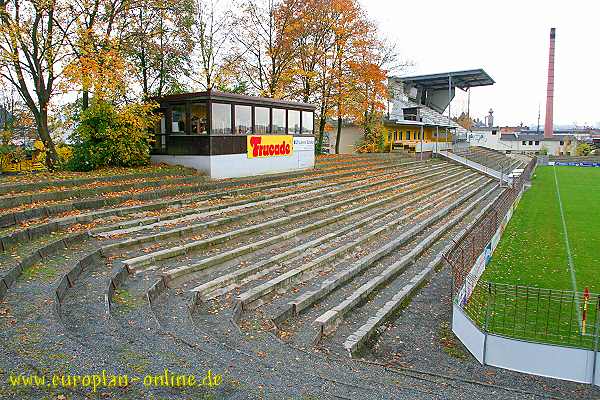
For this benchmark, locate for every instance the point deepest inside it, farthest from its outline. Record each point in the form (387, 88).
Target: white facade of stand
(239, 165)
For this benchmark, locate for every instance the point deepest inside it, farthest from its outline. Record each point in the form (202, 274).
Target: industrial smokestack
(548, 126)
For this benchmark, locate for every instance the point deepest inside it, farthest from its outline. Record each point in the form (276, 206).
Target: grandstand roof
(461, 79)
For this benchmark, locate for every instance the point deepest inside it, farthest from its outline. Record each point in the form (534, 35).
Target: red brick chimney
(548, 126)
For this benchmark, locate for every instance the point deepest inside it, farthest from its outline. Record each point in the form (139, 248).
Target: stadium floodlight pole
(421, 134)
(437, 137)
(449, 105)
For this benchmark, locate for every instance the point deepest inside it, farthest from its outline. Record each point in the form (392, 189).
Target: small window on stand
(262, 120)
(243, 120)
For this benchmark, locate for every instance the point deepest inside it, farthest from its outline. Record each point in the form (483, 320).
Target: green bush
(112, 136)
(583, 149)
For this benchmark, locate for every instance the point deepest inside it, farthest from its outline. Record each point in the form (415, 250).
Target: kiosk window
(307, 122)
(221, 119)
(199, 119)
(293, 121)
(279, 120)
(261, 120)
(243, 120)
(178, 119)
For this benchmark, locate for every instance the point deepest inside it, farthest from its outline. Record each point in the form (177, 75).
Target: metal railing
(534, 314)
(464, 253)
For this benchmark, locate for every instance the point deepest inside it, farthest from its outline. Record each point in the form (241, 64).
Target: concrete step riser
(309, 298)
(39, 255)
(252, 202)
(369, 330)
(17, 200)
(138, 262)
(8, 241)
(215, 260)
(248, 299)
(202, 292)
(21, 187)
(328, 322)
(190, 229)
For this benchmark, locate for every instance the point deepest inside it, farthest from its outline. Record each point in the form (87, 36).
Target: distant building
(415, 120)
(521, 139)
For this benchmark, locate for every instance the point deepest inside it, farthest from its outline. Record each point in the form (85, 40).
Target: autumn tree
(351, 28)
(158, 43)
(263, 48)
(213, 58)
(97, 64)
(367, 92)
(464, 120)
(336, 48)
(321, 32)
(32, 53)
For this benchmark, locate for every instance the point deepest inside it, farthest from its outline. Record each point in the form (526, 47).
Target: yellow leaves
(100, 67)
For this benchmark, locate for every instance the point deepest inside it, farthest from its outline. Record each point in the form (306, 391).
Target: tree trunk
(44, 134)
(85, 99)
(339, 134)
(322, 121)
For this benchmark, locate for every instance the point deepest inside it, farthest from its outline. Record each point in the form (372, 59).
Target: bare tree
(266, 53)
(213, 35)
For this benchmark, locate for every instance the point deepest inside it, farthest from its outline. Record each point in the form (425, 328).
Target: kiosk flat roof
(461, 79)
(233, 97)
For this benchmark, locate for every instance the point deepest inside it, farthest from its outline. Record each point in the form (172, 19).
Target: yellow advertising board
(270, 146)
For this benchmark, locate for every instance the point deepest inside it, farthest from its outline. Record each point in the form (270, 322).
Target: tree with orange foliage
(97, 64)
(323, 33)
(464, 120)
(367, 97)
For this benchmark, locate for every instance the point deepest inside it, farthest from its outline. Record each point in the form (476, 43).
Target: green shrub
(583, 149)
(113, 136)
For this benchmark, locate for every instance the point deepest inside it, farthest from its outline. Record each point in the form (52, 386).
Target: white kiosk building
(229, 135)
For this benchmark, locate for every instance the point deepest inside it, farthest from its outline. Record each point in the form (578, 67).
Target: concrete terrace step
(328, 321)
(8, 201)
(8, 240)
(263, 267)
(145, 259)
(189, 215)
(7, 188)
(307, 270)
(369, 329)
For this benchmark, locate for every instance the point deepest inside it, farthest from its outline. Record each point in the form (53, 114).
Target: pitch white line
(568, 246)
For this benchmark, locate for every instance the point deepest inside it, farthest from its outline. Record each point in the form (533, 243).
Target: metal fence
(465, 252)
(529, 313)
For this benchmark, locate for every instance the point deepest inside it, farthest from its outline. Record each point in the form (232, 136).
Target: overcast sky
(509, 40)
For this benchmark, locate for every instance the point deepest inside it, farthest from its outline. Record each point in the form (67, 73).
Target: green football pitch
(537, 249)
(548, 255)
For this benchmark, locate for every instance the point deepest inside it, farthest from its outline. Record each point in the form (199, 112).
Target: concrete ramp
(474, 165)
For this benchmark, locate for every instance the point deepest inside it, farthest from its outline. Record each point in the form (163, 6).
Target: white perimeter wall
(238, 165)
(558, 362)
(485, 138)
(518, 355)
